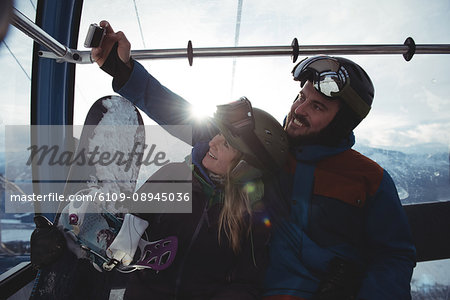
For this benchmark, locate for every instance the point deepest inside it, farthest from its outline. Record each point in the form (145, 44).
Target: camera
(94, 36)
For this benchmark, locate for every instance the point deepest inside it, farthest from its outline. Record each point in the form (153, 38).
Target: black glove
(115, 67)
(47, 243)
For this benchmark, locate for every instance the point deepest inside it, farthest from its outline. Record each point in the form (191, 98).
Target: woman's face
(219, 156)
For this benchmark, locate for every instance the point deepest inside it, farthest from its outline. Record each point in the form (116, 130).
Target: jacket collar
(198, 153)
(315, 153)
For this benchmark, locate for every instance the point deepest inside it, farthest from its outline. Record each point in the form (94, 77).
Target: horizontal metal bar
(433, 49)
(274, 51)
(21, 22)
(213, 52)
(64, 54)
(287, 50)
(375, 49)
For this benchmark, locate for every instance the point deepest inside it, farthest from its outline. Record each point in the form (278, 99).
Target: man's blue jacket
(341, 205)
(345, 206)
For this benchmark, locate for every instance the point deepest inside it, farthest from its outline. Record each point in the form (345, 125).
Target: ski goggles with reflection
(330, 79)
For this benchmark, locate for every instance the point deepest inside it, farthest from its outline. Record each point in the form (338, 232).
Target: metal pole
(287, 50)
(21, 22)
(84, 56)
(432, 49)
(270, 51)
(213, 52)
(65, 54)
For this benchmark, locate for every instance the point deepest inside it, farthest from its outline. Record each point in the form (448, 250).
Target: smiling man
(346, 235)
(310, 114)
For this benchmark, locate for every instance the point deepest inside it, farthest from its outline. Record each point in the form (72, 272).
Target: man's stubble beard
(303, 139)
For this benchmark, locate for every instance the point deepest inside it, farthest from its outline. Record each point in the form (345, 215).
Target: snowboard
(112, 124)
(100, 188)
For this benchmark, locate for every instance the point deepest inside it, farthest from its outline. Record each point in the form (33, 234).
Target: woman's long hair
(235, 216)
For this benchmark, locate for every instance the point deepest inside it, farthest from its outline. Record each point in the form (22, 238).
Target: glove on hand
(124, 246)
(115, 67)
(47, 243)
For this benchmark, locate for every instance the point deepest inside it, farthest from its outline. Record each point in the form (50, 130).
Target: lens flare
(250, 187)
(201, 112)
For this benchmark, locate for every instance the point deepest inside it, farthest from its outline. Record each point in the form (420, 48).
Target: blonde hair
(236, 215)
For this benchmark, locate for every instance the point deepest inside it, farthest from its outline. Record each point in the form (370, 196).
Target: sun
(202, 111)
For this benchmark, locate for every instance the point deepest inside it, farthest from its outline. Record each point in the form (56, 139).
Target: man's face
(310, 113)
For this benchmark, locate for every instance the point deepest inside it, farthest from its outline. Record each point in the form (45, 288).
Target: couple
(339, 230)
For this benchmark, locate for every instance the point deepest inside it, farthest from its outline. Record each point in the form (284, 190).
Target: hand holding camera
(106, 38)
(94, 36)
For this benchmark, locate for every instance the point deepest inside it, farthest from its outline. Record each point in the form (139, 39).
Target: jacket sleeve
(161, 104)
(391, 252)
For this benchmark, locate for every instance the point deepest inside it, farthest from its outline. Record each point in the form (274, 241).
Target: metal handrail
(64, 54)
(287, 50)
(21, 22)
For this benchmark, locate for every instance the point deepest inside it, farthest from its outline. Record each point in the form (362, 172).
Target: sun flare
(202, 111)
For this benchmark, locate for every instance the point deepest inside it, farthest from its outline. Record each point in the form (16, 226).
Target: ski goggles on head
(331, 79)
(237, 116)
(237, 123)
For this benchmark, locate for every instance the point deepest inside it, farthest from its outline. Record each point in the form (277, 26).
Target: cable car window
(15, 92)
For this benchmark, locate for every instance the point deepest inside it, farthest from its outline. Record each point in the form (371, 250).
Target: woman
(222, 244)
(222, 251)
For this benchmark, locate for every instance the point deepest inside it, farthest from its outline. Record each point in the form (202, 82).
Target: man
(346, 235)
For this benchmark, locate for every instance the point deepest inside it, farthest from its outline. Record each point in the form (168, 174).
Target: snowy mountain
(421, 176)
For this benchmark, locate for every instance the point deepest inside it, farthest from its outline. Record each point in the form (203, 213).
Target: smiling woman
(224, 227)
(220, 155)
